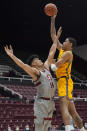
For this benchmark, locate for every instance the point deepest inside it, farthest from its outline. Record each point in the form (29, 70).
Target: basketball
(50, 9)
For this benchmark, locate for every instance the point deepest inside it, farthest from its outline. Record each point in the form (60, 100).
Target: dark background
(24, 24)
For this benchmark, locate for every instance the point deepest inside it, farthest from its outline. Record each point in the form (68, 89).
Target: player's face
(67, 44)
(37, 62)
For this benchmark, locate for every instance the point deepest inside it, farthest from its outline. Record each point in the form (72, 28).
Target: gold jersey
(64, 69)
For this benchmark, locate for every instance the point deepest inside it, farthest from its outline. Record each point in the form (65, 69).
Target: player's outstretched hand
(9, 50)
(59, 32)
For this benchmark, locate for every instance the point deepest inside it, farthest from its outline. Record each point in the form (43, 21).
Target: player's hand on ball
(50, 9)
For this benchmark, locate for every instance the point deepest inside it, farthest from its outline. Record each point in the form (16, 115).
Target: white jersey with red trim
(45, 85)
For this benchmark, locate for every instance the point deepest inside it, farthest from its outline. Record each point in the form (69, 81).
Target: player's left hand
(9, 50)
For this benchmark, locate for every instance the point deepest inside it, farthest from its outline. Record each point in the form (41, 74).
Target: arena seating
(20, 112)
(80, 90)
(78, 76)
(27, 91)
(14, 112)
(5, 60)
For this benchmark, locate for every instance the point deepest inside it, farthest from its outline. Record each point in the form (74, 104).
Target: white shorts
(43, 109)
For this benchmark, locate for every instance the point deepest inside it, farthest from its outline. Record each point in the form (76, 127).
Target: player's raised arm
(52, 51)
(28, 69)
(53, 32)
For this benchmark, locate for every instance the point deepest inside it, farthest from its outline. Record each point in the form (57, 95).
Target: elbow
(58, 64)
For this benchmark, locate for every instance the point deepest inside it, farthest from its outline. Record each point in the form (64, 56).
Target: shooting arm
(53, 33)
(53, 30)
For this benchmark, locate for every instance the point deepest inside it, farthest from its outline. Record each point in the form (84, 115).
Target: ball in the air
(50, 9)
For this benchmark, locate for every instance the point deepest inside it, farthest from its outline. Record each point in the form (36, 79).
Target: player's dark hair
(73, 41)
(31, 58)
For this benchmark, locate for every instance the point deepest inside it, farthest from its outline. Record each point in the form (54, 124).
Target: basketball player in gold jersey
(63, 74)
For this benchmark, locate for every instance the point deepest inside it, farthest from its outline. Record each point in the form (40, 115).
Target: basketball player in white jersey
(40, 73)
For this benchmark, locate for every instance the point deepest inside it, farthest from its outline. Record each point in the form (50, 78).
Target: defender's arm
(52, 51)
(28, 69)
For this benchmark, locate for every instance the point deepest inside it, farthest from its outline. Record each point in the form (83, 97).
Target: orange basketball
(50, 9)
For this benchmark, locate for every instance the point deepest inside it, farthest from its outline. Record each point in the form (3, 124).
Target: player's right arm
(28, 69)
(53, 32)
(66, 57)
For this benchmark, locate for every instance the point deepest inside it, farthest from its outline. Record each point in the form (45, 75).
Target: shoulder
(68, 53)
(61, 50)
(36, 74)
(36, 71)
(46, 64)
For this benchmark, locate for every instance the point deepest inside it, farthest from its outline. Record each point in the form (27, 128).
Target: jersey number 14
(50, 79)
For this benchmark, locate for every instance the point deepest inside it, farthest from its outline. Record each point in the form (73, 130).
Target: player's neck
(67, 49)
(41, 68)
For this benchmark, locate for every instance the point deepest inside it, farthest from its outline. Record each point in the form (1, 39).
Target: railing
(5, 68)
(77, 74)
(13, 78)
(76, 83)
(76, 78)
(82, 81)
(13, 92)
(30, 79)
